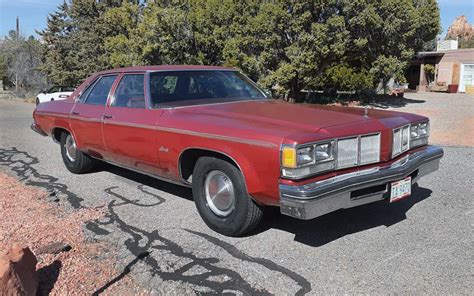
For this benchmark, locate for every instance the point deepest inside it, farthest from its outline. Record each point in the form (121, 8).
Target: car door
(86, 116)
(129, 126)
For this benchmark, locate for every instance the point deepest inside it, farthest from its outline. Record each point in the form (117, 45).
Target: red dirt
(27, 219)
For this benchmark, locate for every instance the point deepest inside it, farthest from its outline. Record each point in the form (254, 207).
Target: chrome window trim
(208, 104)
(189, 70)
(93, 84)
(247, 79)
(120, 79)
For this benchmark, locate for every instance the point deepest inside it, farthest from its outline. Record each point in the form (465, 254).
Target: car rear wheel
(76, 161)
(222, 199)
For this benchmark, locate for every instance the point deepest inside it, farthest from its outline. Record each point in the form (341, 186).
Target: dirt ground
(27, 219)
(451, 116)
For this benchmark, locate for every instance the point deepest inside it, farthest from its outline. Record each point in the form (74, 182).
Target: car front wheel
(222, 199)
(76, 161)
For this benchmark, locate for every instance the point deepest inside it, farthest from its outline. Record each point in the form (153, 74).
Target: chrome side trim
(144, 173)
(206, 149)
(85, 119)
(130, 124)
(218, 137)
(52, 114)
(192, 133)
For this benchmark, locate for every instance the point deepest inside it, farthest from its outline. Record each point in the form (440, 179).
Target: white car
(54, 93)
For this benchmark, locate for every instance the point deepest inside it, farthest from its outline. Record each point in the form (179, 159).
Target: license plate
(400, 189)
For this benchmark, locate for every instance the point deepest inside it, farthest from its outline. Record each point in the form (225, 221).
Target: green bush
(345, 78)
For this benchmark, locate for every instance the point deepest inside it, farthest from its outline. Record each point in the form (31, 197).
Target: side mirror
(267, 92)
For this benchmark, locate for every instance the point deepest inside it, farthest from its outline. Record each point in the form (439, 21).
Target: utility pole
(17, 87)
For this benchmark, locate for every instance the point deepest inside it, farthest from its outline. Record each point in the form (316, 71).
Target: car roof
(166, 68)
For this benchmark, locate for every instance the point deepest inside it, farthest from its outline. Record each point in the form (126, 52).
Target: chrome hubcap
(70, 146)
(220, 195)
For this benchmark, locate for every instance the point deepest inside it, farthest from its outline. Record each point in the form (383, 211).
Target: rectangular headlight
(410, 136)
(419, 134)
(324, 152)
(310, 159)
(424, 129)
(298, 162)
(305, 155)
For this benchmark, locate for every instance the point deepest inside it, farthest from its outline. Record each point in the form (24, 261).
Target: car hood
(284, 119)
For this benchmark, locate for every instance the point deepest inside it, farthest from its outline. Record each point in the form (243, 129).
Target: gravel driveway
(421, 245)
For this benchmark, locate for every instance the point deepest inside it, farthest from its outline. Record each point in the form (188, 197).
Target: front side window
(177, 86)
(130, 92)
(97, 93)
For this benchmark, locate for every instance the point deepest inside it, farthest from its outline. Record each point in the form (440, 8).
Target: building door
(467, 76)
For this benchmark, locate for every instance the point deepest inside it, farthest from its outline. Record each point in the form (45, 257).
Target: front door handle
(106, 116)
(75, 113)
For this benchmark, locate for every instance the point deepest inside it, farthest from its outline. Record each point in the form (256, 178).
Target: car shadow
(330, 227)
(316, 232)
(181, 191)
(391, 102)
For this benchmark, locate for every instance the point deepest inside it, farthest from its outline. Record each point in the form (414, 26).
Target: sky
(33, 13)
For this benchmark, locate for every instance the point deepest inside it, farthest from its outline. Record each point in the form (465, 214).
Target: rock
(18, 272)
(460, 28)
(54, 248)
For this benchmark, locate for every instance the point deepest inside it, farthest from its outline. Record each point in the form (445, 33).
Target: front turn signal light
(288, 157)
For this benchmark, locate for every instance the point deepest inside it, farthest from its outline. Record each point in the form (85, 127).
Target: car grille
(358, 150)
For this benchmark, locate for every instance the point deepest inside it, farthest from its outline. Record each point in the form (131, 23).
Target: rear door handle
(107, 116)
(75, 113)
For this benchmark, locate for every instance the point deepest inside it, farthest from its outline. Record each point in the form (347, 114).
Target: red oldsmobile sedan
(213, 129)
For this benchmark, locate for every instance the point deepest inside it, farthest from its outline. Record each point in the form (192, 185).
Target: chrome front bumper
(357, 188)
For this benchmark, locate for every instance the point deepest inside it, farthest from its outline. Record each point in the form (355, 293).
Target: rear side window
(130, 92)
(97, 93)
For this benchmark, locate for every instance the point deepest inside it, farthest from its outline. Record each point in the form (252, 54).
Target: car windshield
(178, 88)
(67, 88)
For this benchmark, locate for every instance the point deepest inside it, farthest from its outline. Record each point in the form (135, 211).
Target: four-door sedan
(212, 129)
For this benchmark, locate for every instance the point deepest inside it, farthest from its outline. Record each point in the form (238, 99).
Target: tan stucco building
(452, 67)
